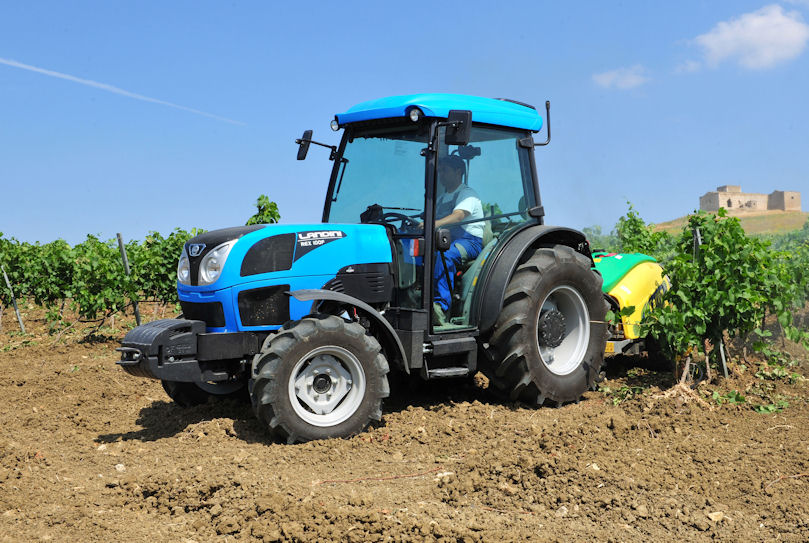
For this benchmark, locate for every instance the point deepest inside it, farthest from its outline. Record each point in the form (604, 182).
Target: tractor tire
(318, 378)
(191, 394)
(548, 341)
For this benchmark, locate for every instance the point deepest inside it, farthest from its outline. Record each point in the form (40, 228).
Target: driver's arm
(456, 216)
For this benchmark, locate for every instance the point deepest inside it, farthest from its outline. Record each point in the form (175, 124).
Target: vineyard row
(89, 277)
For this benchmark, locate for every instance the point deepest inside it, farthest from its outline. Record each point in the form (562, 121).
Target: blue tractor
(432, 261)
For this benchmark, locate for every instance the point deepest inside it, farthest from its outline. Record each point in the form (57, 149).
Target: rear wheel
(318, 378)
(191, 394)
(548, 342)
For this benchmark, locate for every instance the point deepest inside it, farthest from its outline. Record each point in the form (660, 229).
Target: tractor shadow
(235, 419)
(165, 419)
(414, 392)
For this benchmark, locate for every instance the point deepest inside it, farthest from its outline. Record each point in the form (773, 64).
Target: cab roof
(484, 110)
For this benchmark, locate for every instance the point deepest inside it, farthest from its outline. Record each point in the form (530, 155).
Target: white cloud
(622, 78)
(756, 40)
(110, 88)
(687, 67)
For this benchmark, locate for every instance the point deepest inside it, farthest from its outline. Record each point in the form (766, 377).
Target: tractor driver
(458, 203)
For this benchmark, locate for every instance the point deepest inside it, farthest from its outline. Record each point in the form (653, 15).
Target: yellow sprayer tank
(634, 281)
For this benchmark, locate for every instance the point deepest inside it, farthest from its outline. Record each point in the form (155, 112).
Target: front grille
(211, 313)
(264, 306)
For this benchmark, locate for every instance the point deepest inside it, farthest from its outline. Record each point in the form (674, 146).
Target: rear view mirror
(468, 152)
(459, 130)
(304, 142)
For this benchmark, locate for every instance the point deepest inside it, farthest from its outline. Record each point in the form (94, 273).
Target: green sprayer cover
(613, 266)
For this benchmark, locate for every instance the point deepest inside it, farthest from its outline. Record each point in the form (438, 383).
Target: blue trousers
(443, 289)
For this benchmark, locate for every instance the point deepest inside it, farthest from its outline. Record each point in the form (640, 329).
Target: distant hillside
(768, 222)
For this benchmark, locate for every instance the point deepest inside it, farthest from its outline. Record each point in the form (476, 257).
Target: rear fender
(489, 300)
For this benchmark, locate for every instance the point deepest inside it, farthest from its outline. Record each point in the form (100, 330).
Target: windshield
(382, 168)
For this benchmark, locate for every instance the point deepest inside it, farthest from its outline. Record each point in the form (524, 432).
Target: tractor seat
(488, 236)
(470, 278)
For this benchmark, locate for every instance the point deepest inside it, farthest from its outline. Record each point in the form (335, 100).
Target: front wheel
(548, 341)
(320, 377)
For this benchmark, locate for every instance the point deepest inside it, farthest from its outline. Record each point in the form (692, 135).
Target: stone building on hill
(734, 200)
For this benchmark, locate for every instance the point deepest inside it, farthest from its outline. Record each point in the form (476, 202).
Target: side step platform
(444, 356)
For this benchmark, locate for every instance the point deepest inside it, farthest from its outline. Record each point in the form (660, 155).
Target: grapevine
(89, 277)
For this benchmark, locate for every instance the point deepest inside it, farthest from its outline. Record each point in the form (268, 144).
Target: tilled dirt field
(88, 453)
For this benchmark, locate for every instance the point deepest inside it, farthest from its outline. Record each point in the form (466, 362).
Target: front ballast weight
(193, 366)
(163, 349)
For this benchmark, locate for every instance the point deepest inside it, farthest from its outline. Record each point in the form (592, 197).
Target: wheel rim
(563, 358)
(220, 388)
(326, 386)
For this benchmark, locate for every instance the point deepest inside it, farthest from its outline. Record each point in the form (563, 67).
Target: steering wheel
(407, 223)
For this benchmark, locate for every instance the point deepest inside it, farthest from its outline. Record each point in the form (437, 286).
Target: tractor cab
(408, 162)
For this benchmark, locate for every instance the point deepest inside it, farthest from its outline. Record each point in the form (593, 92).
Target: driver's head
(451, 169)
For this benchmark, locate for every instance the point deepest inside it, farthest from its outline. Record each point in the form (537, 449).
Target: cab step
(446, 356)
(442, 373)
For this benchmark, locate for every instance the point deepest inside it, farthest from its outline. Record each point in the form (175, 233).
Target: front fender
(390, 341)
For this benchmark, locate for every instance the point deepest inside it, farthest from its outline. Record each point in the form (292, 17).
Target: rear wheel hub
(551, 328)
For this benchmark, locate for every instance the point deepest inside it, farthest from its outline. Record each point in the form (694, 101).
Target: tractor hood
(261, 252)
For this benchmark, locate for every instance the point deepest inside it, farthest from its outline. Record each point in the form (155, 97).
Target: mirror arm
(431, 146)
(333, 148)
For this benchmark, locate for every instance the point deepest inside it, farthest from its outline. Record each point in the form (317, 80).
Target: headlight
(211, 266)
(184, 269)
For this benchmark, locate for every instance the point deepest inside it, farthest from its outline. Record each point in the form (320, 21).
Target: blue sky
(145, 116)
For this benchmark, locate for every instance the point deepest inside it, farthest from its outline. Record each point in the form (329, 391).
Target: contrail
(112, 89)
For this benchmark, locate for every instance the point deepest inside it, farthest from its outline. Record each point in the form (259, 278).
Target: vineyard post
(126, 270)
(724, 362)
(13, 299)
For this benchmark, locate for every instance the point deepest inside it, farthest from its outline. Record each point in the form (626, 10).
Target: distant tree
(266, 212)
(600, 241)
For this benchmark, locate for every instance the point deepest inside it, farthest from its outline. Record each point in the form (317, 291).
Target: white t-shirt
(468, 201)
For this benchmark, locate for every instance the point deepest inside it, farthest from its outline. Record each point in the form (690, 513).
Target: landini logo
(324, 234)
(308, 241)
(196, 248)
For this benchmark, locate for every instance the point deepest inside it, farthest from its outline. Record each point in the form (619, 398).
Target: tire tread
(510, 366)
(277, 348)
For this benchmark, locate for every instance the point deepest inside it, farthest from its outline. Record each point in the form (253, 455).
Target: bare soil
(88, 453)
